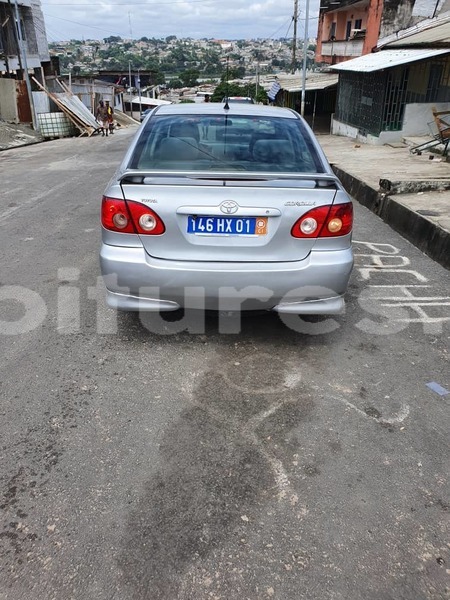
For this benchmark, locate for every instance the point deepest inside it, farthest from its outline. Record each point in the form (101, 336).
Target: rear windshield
(238, 143)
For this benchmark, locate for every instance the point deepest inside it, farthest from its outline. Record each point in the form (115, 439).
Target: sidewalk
(410, 192)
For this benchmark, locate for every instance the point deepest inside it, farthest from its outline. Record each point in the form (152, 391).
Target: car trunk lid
(232, 218)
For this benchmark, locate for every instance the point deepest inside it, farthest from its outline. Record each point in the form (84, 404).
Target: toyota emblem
(229, 207)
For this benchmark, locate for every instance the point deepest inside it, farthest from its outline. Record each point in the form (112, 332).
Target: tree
(230, 89)
(233, 89)
(189, 77)
(112, 39)
(175, 84)
(235, 73)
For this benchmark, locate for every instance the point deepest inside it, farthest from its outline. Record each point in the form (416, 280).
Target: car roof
(217, 108)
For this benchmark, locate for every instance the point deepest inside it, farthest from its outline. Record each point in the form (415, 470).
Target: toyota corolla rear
(226, 209)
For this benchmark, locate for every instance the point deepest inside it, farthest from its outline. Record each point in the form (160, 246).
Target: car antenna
(226, 107)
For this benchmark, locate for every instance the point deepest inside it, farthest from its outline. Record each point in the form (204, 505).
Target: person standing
(110, 115)
(102, 117)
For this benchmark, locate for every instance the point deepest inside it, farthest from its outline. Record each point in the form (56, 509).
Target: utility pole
(257, 82)
(129, 88)
(139, 88)
(294, 39)
(305, 53)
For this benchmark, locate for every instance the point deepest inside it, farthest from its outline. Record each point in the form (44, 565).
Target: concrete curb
(420, 231)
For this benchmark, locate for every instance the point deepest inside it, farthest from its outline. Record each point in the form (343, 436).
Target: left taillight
(126, 216)
(325, 221)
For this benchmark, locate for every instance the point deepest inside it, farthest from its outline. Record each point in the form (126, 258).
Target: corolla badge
(229, 207)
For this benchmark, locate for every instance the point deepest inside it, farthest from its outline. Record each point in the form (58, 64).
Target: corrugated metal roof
(385, 59)
(314, 81)
(73, 105)
(144, 100)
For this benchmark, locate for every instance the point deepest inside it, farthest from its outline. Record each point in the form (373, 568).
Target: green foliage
(282, 64)
(234, 73)
(175, 84)
(158, 77)
(112, 39)
(189, 77)
(183, 61)
(233, 89)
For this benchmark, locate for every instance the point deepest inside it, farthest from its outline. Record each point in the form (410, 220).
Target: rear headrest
(185, 130)
(273, 151)
(177, 149)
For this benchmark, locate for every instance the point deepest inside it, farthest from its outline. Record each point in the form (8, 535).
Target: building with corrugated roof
(351, 28)
(389, 94)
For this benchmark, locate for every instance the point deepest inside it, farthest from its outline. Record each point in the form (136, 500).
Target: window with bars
(360, 100)
(395, 99)
(375, 102)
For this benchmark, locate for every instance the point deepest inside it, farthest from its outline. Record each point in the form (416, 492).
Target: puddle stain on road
(217, 470)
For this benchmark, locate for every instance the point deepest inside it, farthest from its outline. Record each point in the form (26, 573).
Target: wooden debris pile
(73, 108)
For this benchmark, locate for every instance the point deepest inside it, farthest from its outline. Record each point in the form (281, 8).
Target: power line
(283, 25)
(83, 24)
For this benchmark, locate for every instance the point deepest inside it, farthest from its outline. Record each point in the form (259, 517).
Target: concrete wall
(396, 16)
(339, 128)
(8, 104)
(415, 122)
(386, 137)
(374, 16)
(36, 44)
(417, 117)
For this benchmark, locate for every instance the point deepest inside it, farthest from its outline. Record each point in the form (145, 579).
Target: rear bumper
(136, 281)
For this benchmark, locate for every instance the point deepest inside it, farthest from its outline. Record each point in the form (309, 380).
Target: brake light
(146, 221)
(126, 216)
(116, 216)
(325, 221)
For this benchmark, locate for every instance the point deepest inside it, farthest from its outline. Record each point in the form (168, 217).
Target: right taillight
(325, 221)
(126, 216)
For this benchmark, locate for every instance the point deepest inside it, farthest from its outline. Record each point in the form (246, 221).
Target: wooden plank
(79, 124)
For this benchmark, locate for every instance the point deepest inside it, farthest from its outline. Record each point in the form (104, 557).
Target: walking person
(102, 117)
(110, 115)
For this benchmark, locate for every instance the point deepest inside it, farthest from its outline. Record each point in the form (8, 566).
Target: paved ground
(415, 199)
(139, 461)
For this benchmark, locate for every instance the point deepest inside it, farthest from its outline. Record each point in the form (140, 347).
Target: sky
(218, 19)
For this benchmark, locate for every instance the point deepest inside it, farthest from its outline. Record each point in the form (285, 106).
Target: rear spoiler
(141, 177)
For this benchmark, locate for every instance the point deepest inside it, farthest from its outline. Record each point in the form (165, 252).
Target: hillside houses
(209, 56)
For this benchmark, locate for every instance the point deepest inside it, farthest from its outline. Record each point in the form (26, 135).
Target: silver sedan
(226, 208)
